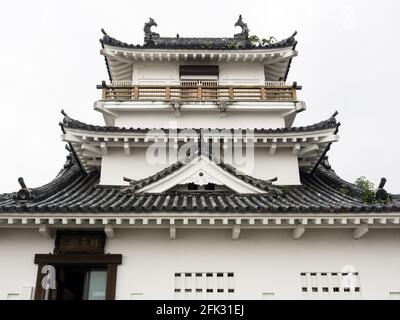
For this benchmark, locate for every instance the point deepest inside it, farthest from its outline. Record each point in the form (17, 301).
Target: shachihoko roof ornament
(148, 34)
(244, 34)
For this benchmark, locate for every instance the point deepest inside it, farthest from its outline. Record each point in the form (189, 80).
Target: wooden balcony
(204, 91)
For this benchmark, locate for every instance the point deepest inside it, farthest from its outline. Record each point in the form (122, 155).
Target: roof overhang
(359, 224)
(120, 61)
(90, 145)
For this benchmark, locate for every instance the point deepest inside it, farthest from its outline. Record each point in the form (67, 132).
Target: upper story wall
(199, 119)
(155, 72)
(168, 72)
(245, 73)
(142, 163)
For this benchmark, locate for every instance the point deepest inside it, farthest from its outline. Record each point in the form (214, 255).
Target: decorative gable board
(201, 171)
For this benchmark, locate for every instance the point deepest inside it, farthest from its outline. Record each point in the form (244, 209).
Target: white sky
(348, 61)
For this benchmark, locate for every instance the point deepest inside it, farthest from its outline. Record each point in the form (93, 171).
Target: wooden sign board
(80, 242)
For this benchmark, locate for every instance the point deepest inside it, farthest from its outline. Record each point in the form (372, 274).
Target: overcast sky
(348, 61)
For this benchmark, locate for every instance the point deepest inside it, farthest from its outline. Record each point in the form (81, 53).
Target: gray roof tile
(74, 191)
(202, 43)
(76, 124)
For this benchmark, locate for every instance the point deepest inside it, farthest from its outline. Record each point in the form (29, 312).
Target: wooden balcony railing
(200, 92)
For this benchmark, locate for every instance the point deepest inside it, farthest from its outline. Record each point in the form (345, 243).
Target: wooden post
(39, 292)
(263, 93)
(168, 93)
(199, 92)
(136, 92)
(111, 281)
(294, 94)
(231, 94)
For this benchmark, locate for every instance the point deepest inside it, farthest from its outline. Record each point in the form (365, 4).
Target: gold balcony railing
(277, 92)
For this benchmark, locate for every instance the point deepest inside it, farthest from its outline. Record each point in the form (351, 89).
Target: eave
(120, 61)
(47, 224)
(91, 146)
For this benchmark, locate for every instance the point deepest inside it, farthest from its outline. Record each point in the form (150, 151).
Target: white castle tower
(199, 186)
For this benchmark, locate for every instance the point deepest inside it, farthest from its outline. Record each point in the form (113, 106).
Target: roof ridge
(325, 170)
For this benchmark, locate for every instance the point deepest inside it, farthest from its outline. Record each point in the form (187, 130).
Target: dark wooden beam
(78, 259)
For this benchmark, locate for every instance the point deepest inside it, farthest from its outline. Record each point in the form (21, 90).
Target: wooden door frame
(109, 261)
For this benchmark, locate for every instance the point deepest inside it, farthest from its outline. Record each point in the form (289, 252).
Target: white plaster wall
(229, 72)
(200, 119)
(116, 165)
(263, 260)
(244, 73)
(17, 251)
(155, 72)
(283, 164)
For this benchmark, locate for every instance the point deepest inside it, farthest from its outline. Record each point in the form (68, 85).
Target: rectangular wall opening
(204, 285)
(330, 285)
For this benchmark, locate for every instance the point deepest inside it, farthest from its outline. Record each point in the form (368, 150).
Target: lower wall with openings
(261, 264)
(208, 264)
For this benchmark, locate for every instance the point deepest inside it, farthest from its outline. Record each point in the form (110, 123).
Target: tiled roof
(75, 124)
(74, 191)
(199, 43)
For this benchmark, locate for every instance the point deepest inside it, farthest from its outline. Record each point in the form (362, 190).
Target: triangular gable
(200, 171)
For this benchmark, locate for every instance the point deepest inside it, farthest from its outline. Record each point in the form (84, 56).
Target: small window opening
(192, 186)
(209, 186)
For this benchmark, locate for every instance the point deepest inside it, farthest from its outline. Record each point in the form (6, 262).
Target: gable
(201, 171)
